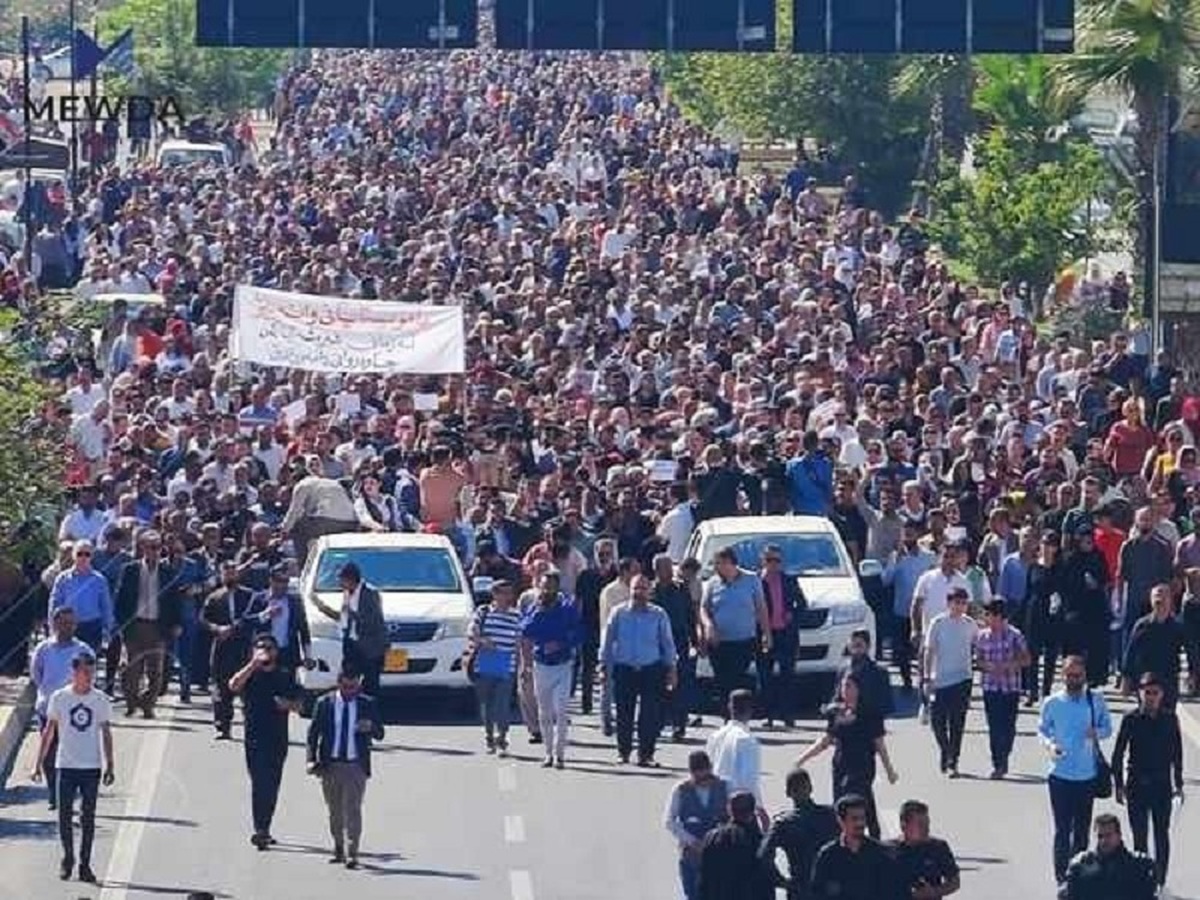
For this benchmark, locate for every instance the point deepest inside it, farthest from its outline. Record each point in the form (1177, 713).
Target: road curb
(14, 722)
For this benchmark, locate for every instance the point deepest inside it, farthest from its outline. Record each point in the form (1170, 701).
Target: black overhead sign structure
(819, 26)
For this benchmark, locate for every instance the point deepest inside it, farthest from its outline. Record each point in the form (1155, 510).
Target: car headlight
(453, 628)
(848, 614)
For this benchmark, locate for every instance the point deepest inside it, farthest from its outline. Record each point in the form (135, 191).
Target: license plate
(396, 661)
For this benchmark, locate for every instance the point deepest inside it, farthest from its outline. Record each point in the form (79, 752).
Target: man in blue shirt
(1073, 721)
(907, 563)
(50, 669)
(551, 632)
(86, 592)
(639, 651)
(810, 476)
(733, 612)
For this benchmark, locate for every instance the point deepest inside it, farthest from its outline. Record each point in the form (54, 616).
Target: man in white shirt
(78, 717)
(735, 753)
(677, 525)
(84, 396)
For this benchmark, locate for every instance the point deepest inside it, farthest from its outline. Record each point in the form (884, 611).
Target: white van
(427, 606)
(813, 553)
(186, 153)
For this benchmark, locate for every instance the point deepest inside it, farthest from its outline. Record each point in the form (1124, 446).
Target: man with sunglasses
(86, 592)
(777, 659)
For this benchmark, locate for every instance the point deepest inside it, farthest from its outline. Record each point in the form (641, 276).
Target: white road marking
(141, 799)
(889, 823)
(514, 829)
(1188, 723)
(507, 775)
(521, 883)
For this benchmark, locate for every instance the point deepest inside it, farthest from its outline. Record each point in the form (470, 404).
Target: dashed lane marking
(514, 829)
(521, 883)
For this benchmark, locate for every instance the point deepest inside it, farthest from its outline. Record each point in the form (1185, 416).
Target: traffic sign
(934, 26)
(419, 24)
(746, 25)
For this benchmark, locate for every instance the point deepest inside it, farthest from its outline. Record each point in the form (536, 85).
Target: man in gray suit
(344, 724)
(365, 637)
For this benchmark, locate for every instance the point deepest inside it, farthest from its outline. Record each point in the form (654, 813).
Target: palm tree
(1144, 49)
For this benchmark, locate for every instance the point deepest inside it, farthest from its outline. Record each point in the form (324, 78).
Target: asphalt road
(444, 821)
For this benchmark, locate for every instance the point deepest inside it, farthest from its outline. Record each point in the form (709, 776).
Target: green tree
(1143, 49)
(1015, 221)
(1018, 94)
(31, 456)
(204, 79)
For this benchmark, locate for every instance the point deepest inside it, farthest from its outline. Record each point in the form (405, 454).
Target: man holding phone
(269, 693)
(78, 717)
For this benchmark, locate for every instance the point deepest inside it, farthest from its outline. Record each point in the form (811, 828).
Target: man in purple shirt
(1001, 654)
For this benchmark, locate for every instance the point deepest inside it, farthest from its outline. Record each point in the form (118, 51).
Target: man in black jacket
(800, 833)
(280, 613)
(729, 863)
(365, 638)
(224, 617)
(1110, 872)
(777, 665)
(149, 614)
(344, 724)
(874, 682)
(1155, 643)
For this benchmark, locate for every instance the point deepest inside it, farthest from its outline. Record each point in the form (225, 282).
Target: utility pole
(74, 124)
(28, 194)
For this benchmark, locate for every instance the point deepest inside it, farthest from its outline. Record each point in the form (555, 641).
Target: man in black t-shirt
(925, 867)
(269, 693)
(800, 833)
(853, 867)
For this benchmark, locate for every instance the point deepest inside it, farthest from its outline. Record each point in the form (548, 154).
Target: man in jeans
(78, 717)
(551, 632)
(1001, 653)
(949, 673)
(1073, 719)
(51, 668)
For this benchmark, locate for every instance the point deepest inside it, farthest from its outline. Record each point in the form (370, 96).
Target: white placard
(426, 402)
(332, 334)
(295, 413)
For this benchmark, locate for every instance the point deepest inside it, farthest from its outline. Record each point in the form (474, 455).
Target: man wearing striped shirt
(1001, 654)
(494, 634)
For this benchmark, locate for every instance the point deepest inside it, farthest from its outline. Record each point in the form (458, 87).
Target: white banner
(331, 334)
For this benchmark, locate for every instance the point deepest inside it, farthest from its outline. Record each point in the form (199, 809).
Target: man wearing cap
(280, 613)
(86, 592)
(78, 730)
(50, 669)
(224, 617)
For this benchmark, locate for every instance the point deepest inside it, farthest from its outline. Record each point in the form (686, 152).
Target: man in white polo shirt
(930, 599)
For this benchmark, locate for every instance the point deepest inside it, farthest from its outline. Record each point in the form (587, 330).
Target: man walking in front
(344, 723)
(223, 615)
(1073, 721)
(948, 673)
(51, 668)
(1001, 655)
(551, 632)
(697, 805)
(800, 833)
(77, 719)
(1110, 872)
(639, 651)
(734, 750)
(729, 865)
(149, 610)
(733, 613)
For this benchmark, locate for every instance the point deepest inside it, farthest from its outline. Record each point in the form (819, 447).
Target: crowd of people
(637, 302)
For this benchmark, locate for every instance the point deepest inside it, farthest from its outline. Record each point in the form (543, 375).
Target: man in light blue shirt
(907, 564)
(1073, 720)
(50, 669)
(639, 651)
(733, 613)
(86, 592)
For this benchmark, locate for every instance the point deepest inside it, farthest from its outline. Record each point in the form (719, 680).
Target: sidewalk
(16, 709)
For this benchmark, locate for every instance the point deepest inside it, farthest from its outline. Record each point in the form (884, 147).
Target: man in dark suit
(365, 637)
(280, 613)
(344, 724)
(777, 666)
(149, 614)
(224, 617)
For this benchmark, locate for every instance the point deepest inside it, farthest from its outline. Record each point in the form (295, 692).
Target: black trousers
(902, 647)
(1044, 662)
(49, 773)
(641, 690)
(371, 669)
(730, 660)
(264, 762)
(1148, 803)
(1071, 803)
(777, 674)
(948, 717)
(85, 782)
(112, 664)
(585, 674)
(862, 784)
(1000, 707)
(226, 660)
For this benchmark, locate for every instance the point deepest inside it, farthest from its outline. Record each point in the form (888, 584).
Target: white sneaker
(924, 716)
